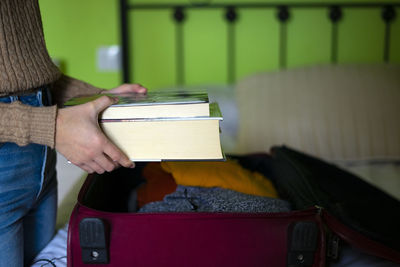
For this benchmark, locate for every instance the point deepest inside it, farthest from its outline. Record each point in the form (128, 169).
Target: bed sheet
(55, 253)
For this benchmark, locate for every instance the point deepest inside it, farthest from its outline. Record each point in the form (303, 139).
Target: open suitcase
(330, 207)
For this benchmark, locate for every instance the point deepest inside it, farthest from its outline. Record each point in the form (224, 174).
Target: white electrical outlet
(109, 58)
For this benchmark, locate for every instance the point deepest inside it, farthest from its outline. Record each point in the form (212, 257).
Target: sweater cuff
(43, 125)
(66, 88)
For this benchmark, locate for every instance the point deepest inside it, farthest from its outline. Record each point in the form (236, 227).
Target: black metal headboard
(283, 13)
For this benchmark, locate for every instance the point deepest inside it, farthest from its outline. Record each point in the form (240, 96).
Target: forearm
(67, 87)
(23, 124)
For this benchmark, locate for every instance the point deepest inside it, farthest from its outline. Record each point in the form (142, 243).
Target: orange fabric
(158, 184)
(229, 175)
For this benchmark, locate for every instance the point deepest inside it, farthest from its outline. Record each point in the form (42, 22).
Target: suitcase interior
(112, 195)
(113, 192)
(107, 202)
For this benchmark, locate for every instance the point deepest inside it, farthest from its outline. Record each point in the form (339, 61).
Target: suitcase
(103, 232)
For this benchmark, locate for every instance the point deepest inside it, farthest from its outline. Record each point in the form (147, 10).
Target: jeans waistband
(38, 97)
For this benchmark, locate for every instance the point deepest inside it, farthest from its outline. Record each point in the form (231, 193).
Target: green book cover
(151, 98)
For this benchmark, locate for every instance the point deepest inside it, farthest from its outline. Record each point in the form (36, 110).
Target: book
(162, 139)
(162, 125)
(154, 104)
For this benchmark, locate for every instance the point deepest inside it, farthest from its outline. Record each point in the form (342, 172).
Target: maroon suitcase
(103, 235)
(193, 239)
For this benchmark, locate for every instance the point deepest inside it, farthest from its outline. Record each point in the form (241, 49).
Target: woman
(31, 127)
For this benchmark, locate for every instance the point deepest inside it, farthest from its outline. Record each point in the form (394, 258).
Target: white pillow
(341, 112)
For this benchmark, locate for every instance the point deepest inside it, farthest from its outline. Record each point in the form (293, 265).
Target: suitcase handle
(302, 243)
(93, 241)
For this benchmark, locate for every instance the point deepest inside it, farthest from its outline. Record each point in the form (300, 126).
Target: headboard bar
(334, 14)
(265, 5)
(124, 26)
(231, 17)
(179, 17)
(388, 15)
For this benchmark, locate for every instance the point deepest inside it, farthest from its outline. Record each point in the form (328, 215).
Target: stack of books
(162, 125)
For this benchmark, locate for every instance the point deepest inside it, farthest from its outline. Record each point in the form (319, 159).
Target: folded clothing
(228, 175)
(158, 183)
(214, 199)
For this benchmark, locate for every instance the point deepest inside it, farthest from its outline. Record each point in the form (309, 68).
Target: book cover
(154, 104)
(213, 114)
(165, 97)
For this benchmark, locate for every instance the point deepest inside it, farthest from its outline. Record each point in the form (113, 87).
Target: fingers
(85, 168)
(105, 163)
(138, 88)
(102, 103)
(96, 167)
(100, 165)
(133, 87)
(80, 139)
(117, 155)
(127, 88)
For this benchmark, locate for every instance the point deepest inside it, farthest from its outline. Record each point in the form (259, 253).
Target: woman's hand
(80, 139)
(127, 88)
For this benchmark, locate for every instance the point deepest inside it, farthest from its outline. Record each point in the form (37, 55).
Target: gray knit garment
(214, 199)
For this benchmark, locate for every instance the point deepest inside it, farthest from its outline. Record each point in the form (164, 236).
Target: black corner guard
(93, 241)
(302, 244)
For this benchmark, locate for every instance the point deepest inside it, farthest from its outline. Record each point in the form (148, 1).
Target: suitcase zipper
(333, 240)
(332, 250)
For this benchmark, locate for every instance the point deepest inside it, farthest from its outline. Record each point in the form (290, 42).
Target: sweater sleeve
(67, 87)
(23, 124)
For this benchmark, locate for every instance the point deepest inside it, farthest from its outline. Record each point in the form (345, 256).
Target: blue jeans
(28, 194)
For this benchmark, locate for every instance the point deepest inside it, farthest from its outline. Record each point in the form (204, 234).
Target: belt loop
(39, 97)
(49, 100)
(45, 96)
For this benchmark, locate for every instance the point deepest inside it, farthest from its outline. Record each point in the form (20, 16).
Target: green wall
(75, 29)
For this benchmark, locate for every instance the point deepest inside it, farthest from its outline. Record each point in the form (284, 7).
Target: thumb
(102, 103)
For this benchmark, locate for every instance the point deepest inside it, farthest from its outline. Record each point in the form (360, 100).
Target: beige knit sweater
(24, 65)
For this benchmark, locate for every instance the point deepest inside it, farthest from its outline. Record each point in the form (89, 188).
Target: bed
(342, 106)
(356, 127)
